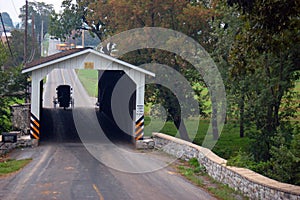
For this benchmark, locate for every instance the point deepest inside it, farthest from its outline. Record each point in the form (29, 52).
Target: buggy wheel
(54, 102)
(72, 103)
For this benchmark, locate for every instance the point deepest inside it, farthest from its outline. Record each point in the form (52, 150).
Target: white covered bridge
(110, 70)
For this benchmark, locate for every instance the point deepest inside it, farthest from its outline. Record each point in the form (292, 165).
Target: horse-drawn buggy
(64, 97)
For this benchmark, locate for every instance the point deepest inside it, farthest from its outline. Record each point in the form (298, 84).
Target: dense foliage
(261, 67)
(12, 88)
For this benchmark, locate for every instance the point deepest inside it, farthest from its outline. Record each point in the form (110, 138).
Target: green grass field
(228, 144)
(89, 80)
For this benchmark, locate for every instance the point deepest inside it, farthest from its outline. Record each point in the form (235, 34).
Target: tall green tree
(226, 25)
(39, 13)
(12, 87)
(268, 45)
(62, 25)
(255, 49)
(76, 17)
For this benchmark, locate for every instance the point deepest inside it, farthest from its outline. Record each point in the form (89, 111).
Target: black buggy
(64, 98)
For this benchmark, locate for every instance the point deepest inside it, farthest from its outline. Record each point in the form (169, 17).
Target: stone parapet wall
(20, 117)
(251, 184)
(22, 142)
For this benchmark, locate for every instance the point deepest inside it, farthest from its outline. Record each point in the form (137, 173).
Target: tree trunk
(179, 123)
(276, 114)
(242, 116)
(215, 130)
(280, 91)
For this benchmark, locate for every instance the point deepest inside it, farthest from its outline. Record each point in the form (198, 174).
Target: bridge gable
(83, 58)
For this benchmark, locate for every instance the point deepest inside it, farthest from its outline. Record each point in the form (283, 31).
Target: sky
(12, 7)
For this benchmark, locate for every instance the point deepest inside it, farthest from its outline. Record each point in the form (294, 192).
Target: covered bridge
(110, 70)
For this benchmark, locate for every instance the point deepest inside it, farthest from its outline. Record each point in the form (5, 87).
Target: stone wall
(22, 142)
(20, 116)
(251, 184)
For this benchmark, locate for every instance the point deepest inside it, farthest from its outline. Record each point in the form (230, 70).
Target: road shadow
(57, 126)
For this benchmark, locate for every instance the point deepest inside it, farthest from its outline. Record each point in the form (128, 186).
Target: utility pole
(82, 38)
(42, 37)
(27, 90)
(33, 34)
(25, 33)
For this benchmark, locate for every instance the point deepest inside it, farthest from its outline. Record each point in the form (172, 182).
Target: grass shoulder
(195, 173)
(10, 166)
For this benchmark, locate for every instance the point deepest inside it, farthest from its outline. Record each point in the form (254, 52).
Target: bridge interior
(115, 89)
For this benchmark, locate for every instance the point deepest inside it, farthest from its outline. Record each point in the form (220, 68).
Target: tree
(195, 21)
(272, 38)
(241, 74)
(260, 63)
(62, 25)
(39, 13)
(285, 158)
(226, 25)
(4, 123)
(12, 86)
(3, 54)
(75, 18)
(256, 45)
(17, 47)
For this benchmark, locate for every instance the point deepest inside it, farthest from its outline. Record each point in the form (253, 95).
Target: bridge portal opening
(56, 104)
(117, 102)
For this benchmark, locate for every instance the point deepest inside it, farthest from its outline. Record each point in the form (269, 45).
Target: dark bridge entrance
(116, 100)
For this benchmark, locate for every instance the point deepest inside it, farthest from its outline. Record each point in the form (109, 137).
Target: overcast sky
(12, 7)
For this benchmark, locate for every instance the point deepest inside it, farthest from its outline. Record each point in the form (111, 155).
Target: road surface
(65, 168)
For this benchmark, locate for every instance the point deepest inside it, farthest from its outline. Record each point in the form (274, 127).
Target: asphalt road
(64, 167)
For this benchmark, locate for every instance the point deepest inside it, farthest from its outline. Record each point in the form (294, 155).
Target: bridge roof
(73, 53)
